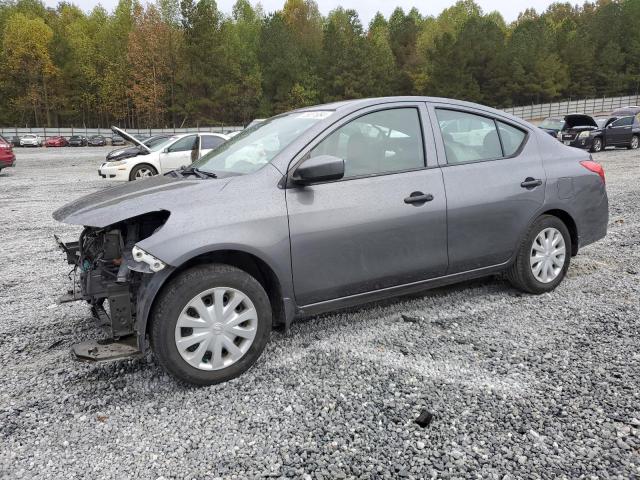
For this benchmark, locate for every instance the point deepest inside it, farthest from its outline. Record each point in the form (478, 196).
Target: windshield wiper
(184, 171)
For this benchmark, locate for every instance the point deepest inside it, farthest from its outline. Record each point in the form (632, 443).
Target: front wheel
(597, 145)
(543, 257)
(142, 171)
(635, 142)
(211, 324)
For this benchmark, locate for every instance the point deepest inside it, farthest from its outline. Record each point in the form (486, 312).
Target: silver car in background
(323, 208)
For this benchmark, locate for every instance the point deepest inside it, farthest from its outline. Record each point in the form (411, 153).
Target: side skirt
(398, 290)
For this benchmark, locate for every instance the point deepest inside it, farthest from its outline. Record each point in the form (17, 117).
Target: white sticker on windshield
(317, 115)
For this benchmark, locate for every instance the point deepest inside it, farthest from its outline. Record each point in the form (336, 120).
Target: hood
(122, 153)
(130, 138)
(112, 205)
(579, 120)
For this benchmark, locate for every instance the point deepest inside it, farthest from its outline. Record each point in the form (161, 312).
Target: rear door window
(468, 137)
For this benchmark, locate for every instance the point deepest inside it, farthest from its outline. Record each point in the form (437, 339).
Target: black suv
(621, 132)
(584, 131)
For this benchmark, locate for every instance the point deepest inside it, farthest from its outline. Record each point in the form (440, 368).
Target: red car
(7, 157)
(56, 142)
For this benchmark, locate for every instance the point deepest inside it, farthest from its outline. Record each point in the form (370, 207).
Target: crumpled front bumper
(93, 287)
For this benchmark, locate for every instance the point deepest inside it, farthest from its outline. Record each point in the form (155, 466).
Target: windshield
(156, 147)
(258, 145)
(155, 141)
(553, 123)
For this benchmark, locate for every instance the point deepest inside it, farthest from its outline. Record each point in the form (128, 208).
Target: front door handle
(531, 182)
(418, 198)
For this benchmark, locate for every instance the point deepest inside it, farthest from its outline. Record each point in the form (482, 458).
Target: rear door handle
(418, 198)
(531, 182)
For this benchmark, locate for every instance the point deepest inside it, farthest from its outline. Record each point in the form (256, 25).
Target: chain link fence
(589, 106)
(46, 132)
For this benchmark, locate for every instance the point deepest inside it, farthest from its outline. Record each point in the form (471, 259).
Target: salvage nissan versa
(323, 208)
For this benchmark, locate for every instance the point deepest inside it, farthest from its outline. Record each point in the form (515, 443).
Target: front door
(494, 181)
(366, 232)
(620, 131)
(179, 153)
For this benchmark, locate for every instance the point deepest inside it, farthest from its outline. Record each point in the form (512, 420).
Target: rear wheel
(635, 142)
(597, 145)
(543, 258)
(211, 324)
(141, 171)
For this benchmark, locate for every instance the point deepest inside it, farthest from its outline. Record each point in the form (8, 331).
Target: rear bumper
(594, 220)
(7, 160)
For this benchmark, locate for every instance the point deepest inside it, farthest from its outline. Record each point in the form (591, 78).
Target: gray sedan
(323, 208)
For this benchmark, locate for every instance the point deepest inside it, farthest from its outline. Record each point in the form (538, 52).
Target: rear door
(365, 232)
(179, 153)
(494, 182)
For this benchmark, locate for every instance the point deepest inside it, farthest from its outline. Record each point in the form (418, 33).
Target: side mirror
(322, 168)
(165, 150)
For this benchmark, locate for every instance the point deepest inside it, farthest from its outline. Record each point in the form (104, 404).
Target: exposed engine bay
(108, 269)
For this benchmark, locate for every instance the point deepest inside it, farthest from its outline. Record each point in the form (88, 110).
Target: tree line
(173, 63)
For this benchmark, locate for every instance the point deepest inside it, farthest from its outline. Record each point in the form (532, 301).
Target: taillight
(594, 167)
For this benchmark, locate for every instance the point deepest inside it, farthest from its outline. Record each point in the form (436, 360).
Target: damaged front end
(109, 270)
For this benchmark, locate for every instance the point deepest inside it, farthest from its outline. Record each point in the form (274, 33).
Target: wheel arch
(283, 309)
(569, 221)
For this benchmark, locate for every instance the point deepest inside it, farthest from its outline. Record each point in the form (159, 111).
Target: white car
(30, 140)
(177, 151)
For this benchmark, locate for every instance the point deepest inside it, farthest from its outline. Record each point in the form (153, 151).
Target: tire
(521, 273)
(174, 305)
(596, 146)
(139, 172)
(635, 142)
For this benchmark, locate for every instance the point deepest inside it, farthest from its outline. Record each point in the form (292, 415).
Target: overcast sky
(365, 8)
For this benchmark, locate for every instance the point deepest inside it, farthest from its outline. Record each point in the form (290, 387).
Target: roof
(357, 104)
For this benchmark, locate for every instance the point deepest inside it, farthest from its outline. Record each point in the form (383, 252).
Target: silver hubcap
(216, 328)
(597, 144)
(547, 255)
(143, 173)
(634, 142)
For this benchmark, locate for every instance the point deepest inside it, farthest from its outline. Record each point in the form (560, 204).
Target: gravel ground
(519, 386)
